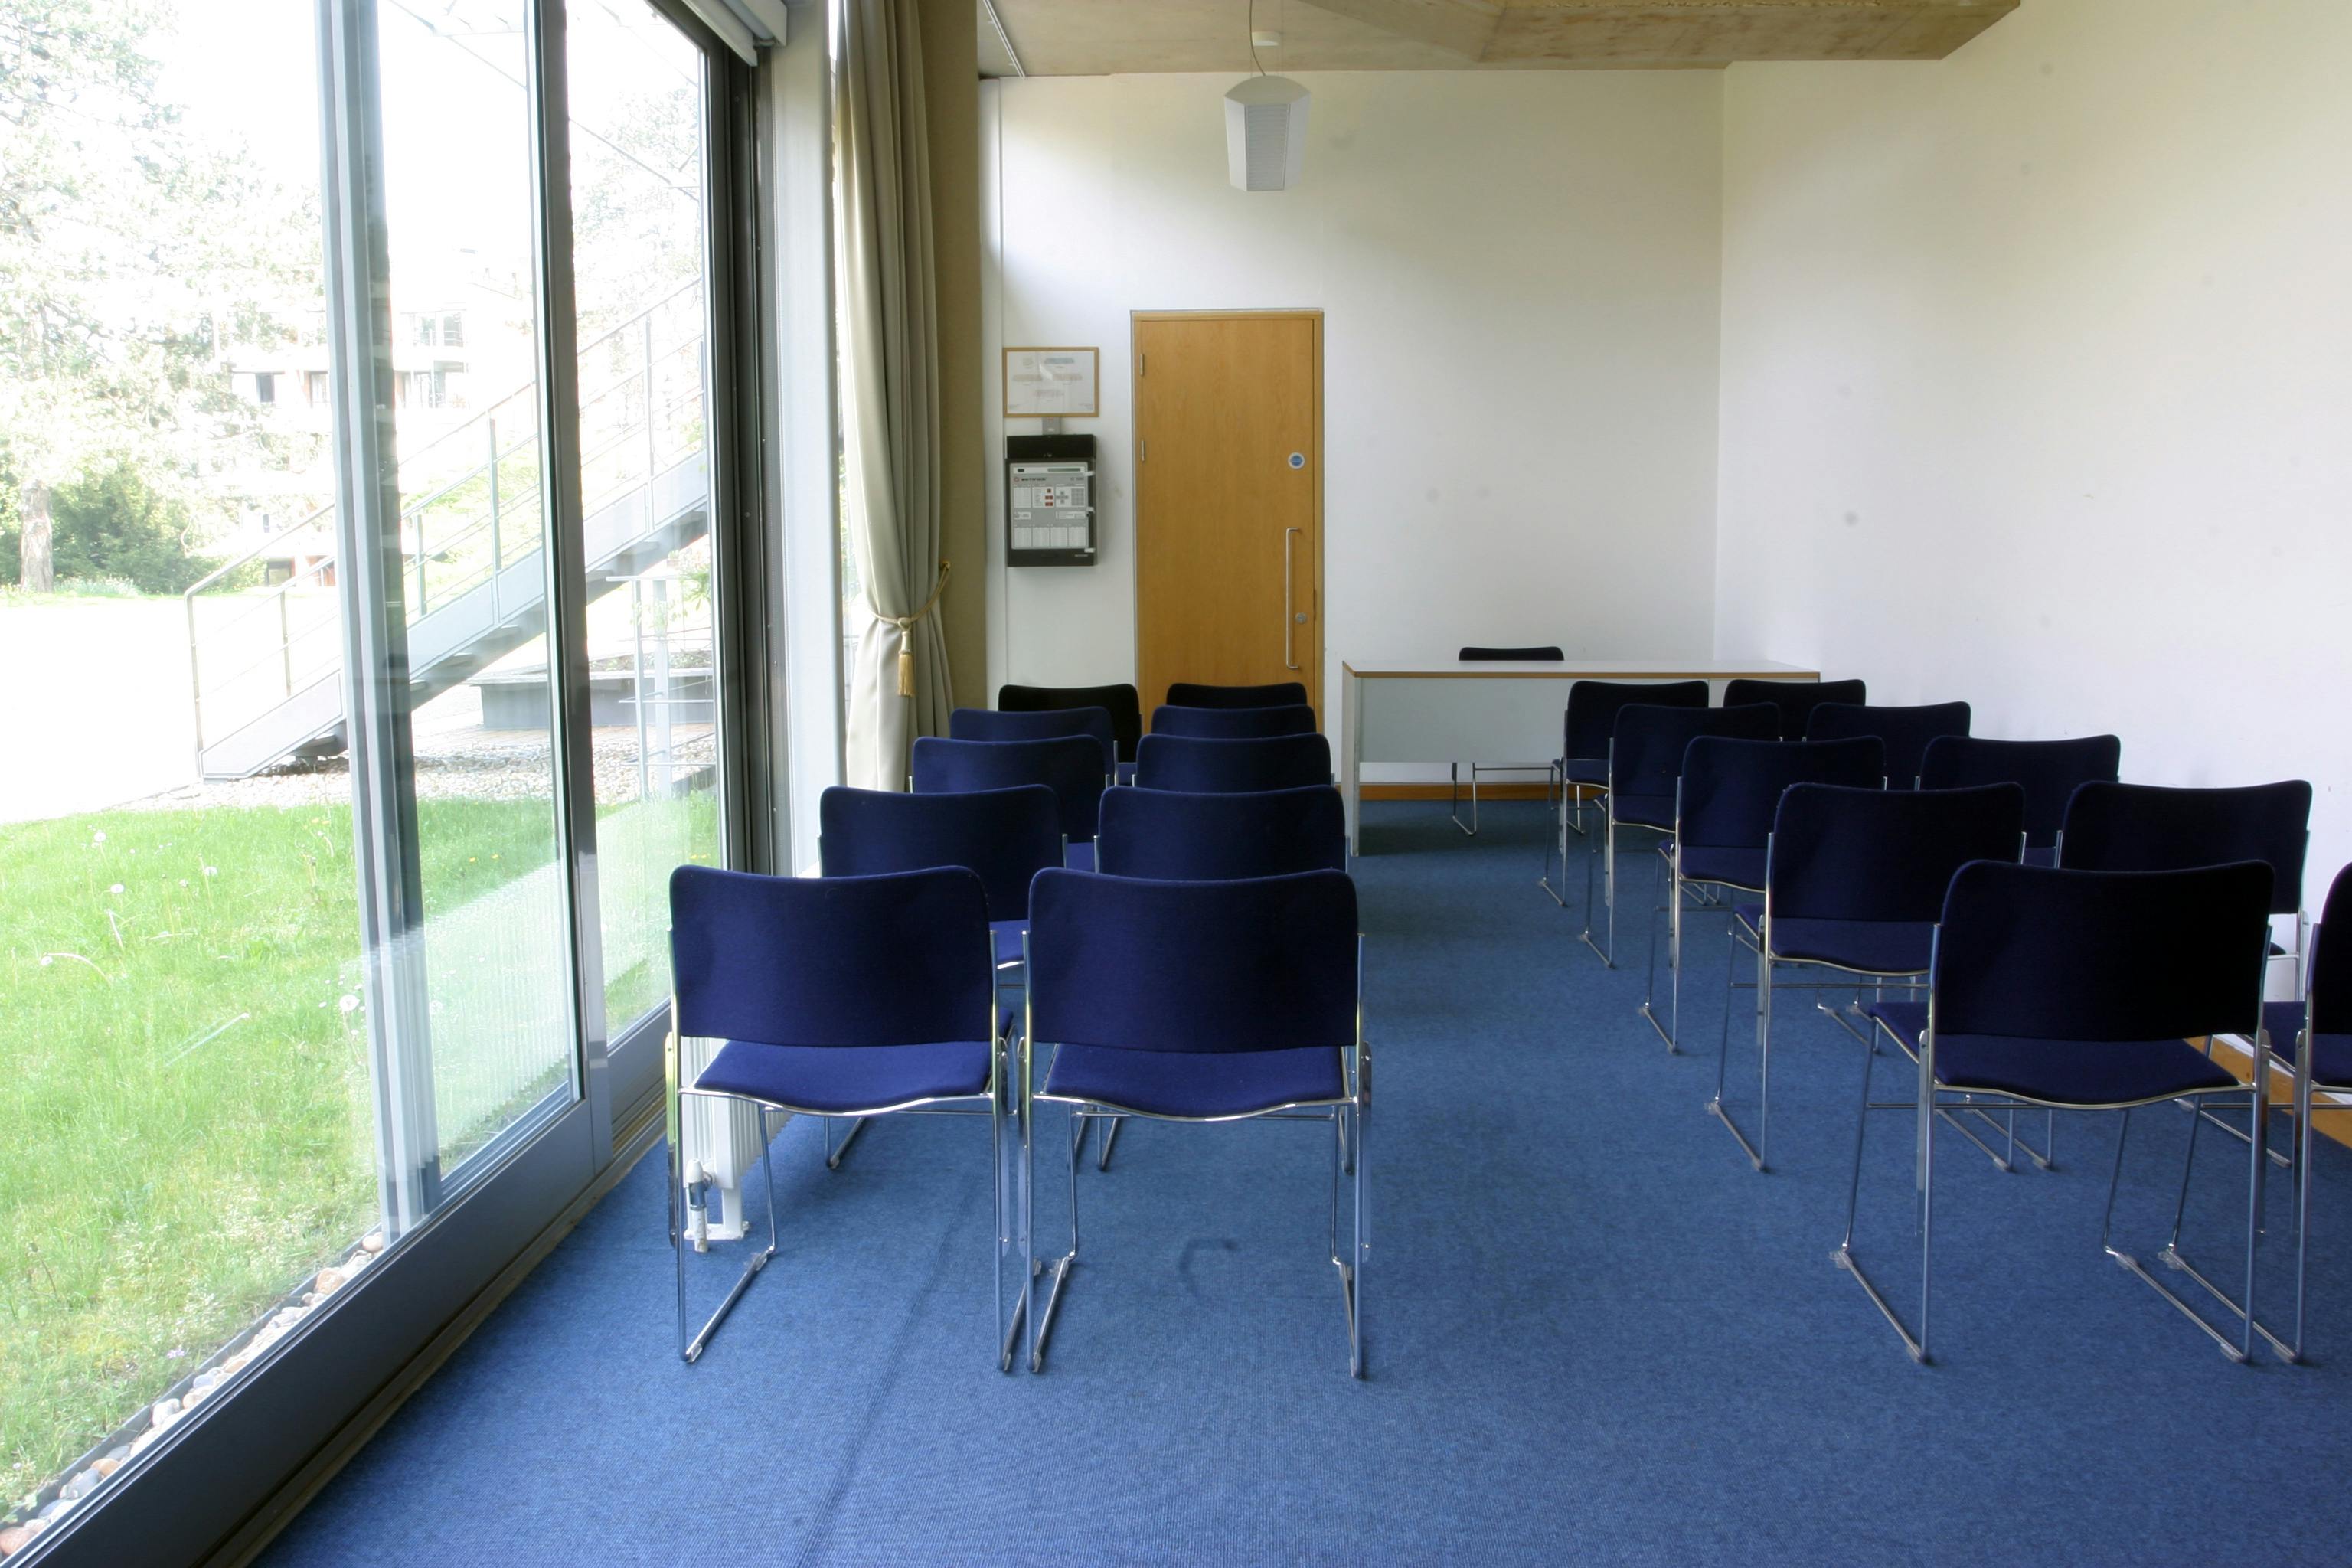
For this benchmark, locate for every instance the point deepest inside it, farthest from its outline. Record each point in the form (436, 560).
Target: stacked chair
(1209, 972)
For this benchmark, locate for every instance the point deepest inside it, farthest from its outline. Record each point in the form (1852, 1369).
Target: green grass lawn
(189, 1123)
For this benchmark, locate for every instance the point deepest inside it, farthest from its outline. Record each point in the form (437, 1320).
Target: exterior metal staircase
(267, 665)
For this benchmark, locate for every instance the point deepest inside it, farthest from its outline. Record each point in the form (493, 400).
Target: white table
(1448, 710)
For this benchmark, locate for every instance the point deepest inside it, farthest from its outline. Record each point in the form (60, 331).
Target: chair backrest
(1844, 854)
(2154, 827)
(1796, 699)
(1170, 836)
(1121, 702)
(1266, 964)
(1281, 694)
(1906, 732)
(1730, 789)
(2330, 970)
(2048, 770)
(1037, 724)
(1232, 724)
(1227, 767)
(2032, 953)
(1592, 707)
(901, 960)
(1069, 765)
(1545, 655)
(1645, 756)
(1003, 836)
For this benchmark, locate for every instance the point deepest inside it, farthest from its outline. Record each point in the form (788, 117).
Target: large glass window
(189, 1157)
(639, 238)
(288, 950)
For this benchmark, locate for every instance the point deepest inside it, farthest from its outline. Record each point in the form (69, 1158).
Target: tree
(130, 255)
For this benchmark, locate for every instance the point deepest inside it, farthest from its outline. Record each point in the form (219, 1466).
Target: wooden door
(1229, 499)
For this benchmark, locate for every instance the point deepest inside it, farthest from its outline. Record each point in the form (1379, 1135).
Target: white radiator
(721, 1136)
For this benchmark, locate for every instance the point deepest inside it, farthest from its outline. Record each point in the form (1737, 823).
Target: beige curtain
(890, 396)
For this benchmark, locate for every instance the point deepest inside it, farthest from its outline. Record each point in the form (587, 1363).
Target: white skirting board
(723, 1135)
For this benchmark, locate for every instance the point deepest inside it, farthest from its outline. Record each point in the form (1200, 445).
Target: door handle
(1289, 650)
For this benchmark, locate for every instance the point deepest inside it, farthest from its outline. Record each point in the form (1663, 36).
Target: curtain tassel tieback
(906, 625)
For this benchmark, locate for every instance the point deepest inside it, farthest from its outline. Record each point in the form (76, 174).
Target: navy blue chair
(1004, 836)
(1796, 699)
(2318, 1049)
(2154, 827)
(1232, 724)
(1121, 702)
(1171, 835)
(2047, 771)
(835, 998)
(2079, 991)
(1166, 836)
(1041, 724)
(1229, 767)
(1906, 732)
(1280, 694)
(1645, 767)
(1069, 765)
(1723, 806)
(1200, 1002)
(1854, 881)
(1582, 764)
(1547, 654)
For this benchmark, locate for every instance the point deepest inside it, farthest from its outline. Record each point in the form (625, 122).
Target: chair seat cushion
(842, 1080)
(1007, 936)
(1875, 947)
(2331, 1054)
(1123, 772)
(1593, 771)
(2331, 1061)
(1906, 1021)
(2040, 855)
(1733, 867)
(2077, 1072)
(1079, 857)
(1646, 810)
(1194, 1083)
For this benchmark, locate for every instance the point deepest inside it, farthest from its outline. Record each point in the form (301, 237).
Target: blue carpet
(1595, 1334)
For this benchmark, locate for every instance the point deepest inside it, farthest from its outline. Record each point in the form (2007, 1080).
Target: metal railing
(470, 509)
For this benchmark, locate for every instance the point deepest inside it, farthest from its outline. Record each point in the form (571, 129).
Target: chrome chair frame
(1926, 1108)
(1605, 851)
(688, 1187)
(1556, 796)
(1347, 1153)
(1708, 900)
(1454, 786)
(1878, 982)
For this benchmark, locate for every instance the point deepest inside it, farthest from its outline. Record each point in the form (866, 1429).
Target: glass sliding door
(641, 233)
(476, 685)
(361, 563)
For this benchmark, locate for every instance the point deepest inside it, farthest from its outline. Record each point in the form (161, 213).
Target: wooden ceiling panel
(1097, 37)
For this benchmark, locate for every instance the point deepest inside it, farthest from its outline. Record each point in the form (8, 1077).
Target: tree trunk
(36, 568)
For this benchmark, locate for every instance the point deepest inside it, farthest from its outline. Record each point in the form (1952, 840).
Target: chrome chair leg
(685, 1195)
(2241, 1352)
(1008, 1216)
(1556, 796)
(1348, 1157)
(1755, 1151)
(832, 1156)
(1454, 805)
(1608, 856)
(1843, 1256)
(1062, 1265)
(1102, 1145)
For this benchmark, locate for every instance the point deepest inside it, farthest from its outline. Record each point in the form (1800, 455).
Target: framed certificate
(1044, 383)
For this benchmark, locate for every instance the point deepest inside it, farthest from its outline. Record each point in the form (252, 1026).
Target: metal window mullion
(374, 613)
(565, 557)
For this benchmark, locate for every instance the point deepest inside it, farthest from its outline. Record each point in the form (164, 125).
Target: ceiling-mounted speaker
(1266, 134)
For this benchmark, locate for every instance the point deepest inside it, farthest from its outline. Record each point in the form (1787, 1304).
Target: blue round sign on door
(1297, 459)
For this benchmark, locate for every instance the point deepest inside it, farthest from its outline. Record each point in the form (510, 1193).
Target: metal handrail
(413, 514)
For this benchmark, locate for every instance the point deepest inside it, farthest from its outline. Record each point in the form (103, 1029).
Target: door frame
(1313, 315)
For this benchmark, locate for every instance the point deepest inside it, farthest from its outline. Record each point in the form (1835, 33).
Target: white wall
(1519, 274)
(2037, 383)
